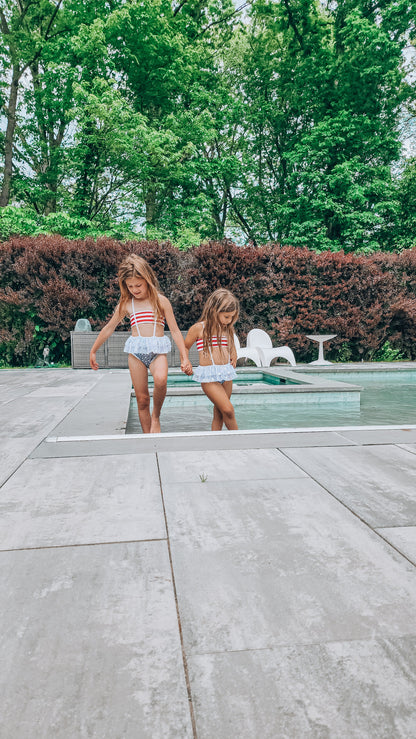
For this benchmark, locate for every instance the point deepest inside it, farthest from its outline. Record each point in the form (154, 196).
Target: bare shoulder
(124, 311)
(164, 302)
(196, 329)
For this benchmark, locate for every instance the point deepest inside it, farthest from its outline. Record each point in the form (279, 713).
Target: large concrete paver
(13, 452)
(32, 403)
(20, 383)
(34, 416)
(380, 435)
(90, 645)
(91, 448)
(240, 464)
(263, 556)
(334, 690)
(104, 409)
(403, 538)
(377, 482)
(264, 563)
(408, 447)
(57, 502)
(58, 446)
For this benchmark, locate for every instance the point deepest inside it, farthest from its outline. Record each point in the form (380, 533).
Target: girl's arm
(104, 334)
(233, 353)
(186, 366)
(192, 335)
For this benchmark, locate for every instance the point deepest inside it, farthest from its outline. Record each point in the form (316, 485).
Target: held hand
(186, 367)
(93, 361)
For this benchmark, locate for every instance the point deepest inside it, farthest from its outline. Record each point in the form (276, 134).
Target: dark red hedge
(47, 283)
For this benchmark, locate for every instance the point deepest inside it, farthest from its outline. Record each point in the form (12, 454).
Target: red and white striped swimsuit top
(200, 343)
(145, 316)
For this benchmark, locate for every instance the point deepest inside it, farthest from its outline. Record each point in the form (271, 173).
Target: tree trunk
(9, 138)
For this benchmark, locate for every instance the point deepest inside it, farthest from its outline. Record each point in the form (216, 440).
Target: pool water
(387, 398)
(242, 380)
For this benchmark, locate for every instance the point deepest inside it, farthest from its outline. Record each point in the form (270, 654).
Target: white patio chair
(260, 340)
(244, 352)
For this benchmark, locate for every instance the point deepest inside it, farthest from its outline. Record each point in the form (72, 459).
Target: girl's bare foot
(155, 426)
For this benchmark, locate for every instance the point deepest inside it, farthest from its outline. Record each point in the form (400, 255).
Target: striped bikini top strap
(135, 321)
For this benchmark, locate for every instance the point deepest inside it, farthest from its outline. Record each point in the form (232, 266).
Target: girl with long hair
(147, 346)
(214, 337)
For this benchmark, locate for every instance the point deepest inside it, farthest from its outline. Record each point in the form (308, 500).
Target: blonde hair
(135, 266)
(220, 301)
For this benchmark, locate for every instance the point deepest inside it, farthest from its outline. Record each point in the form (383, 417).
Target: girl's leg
(138, 372)
(218, 420)
(159, 370)
(220, 395)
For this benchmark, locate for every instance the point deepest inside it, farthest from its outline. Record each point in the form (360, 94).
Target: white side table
(321, 338)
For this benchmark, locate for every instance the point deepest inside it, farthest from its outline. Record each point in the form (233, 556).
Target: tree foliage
(193, 119)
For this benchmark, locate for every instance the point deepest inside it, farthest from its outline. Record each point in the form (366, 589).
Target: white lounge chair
(244, 352)
(260, 340)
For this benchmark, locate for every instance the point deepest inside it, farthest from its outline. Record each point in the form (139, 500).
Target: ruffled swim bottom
(214, 373)
(147, 345)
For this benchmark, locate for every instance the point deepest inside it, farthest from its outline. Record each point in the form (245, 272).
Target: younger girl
(214, 336)
(147, 346)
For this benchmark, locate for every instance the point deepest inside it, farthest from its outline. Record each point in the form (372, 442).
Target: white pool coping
(239, 432)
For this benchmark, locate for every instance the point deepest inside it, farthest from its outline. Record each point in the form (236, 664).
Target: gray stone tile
(8, 393)
(311, 438)
(340, 690)
(265, 563)
(226, 464)
(403, 538)
(103, 410)
(59, 391)
(247, 440)
(145, 443)
(377, 482)
(56, 502)
(92, 447)
(44, 383)
(381, 436)
(30, 416)
(13, 453)
(90, 644)
(408, 447)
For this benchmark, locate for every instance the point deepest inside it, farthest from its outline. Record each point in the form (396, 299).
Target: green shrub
(16, 221)
(387, 353)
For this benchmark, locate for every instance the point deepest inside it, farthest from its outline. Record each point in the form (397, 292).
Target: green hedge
(48, 282)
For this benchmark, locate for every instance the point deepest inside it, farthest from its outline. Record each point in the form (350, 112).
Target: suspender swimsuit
(146, 348)
(214, 372)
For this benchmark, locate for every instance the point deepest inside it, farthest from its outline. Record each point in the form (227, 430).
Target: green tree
(323, 90)
(26, 28)
(167, 62)
(37, 45)
(405, 234)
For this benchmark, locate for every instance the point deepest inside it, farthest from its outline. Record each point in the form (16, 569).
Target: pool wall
(300, 388)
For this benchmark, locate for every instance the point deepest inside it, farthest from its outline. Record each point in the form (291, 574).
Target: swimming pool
(387, 397)
(248, 378)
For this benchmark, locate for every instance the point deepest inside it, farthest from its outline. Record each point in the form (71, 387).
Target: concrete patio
(235, 584)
